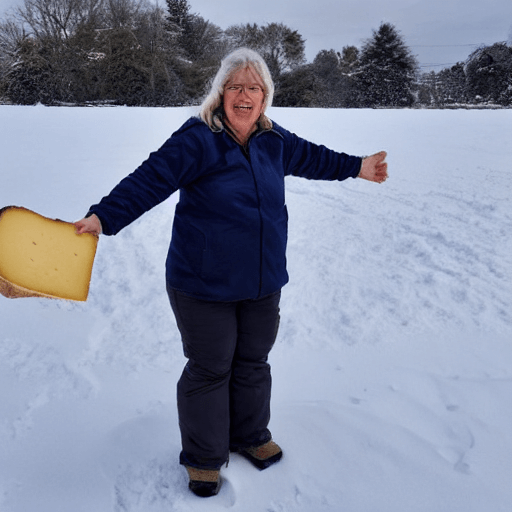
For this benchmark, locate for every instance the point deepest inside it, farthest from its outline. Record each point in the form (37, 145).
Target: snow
(393, 366)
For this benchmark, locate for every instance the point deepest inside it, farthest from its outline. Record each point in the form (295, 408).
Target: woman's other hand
(374, 168)
(90, 224)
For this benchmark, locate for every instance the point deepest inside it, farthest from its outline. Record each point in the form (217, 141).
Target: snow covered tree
(31, 78)
(350, 66)
(91, 50)
(160, 46)
(197, 37)
(489, 74)
(120, 13)
(57, 20)
(206, 42)
(330, 83)
(206, 46)
(387, 70)
(46, 58)
(178, 13)
(200, 45)
(451, 85)
(298, 88)
(179, 23)
(349, 60)
(12, 36)
(135, 57)
(280, 46)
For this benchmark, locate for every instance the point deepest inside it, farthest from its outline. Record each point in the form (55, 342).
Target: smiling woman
(242, 70)
(244, 100)
(226, 263)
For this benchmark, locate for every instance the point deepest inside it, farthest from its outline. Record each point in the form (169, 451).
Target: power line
(454, 45)
(446, 64)
(444, 45)
(438, 65)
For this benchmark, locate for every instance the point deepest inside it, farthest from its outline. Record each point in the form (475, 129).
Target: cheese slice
(41, 257)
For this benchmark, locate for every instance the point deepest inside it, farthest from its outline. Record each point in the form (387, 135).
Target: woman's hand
(374, 168)
(90, 224)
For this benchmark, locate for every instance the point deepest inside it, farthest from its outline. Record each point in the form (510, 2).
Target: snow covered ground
(393, 366)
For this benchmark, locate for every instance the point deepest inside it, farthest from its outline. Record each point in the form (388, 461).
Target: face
(243, 101)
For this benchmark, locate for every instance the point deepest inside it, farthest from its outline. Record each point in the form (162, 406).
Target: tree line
(133, 52)
(485, 78)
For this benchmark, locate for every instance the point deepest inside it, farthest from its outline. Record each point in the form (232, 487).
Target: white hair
(231, 64)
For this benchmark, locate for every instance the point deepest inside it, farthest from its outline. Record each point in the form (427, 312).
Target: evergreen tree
(206, 42)
(91, 50)
(350, 68)
(451, 85)
(297, 88)
(164, 86)
(201, 46)
(179, 23)
(136, 59)
(349, 60)
(124, 69)
(388, 70)
(46, 59)
(178, 13)
(332, 84)
(30, 79)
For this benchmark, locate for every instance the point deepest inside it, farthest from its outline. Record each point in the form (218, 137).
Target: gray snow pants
(224, 391)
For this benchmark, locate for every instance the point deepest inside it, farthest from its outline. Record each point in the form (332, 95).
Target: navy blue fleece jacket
(230, 225)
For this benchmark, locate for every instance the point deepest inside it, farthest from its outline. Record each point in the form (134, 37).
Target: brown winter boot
(203, 482)
(264, 455)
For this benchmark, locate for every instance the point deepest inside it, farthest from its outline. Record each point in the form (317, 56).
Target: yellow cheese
(41, 257)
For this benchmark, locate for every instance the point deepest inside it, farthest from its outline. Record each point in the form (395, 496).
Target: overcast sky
(439, 32)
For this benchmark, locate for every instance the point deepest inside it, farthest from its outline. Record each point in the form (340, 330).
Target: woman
(226, 263)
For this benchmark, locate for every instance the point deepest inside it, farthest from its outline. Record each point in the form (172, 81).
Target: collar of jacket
(263, 125)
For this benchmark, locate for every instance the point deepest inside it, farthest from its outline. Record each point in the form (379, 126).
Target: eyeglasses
(238, 88)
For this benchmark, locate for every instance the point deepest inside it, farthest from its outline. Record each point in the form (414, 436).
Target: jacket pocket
(191, 244)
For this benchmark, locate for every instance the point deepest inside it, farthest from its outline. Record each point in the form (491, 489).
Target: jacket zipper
(246, 151)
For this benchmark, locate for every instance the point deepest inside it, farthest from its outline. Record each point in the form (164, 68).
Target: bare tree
(122, 13)
(11, 36)
(280, 46)
(57, 19)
